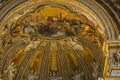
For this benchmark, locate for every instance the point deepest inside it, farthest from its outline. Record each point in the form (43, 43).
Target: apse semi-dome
(52, 40)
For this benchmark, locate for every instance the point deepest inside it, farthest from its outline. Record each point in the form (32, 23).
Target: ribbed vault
(54, 40)
(53, 59)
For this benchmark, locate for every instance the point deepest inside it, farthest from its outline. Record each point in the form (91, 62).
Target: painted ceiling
(53, 40)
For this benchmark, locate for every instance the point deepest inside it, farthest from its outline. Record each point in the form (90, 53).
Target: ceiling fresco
(52, 40)
(52, 21)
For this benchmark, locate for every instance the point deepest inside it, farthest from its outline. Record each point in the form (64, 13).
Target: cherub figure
(11, 71)
(54, 77)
